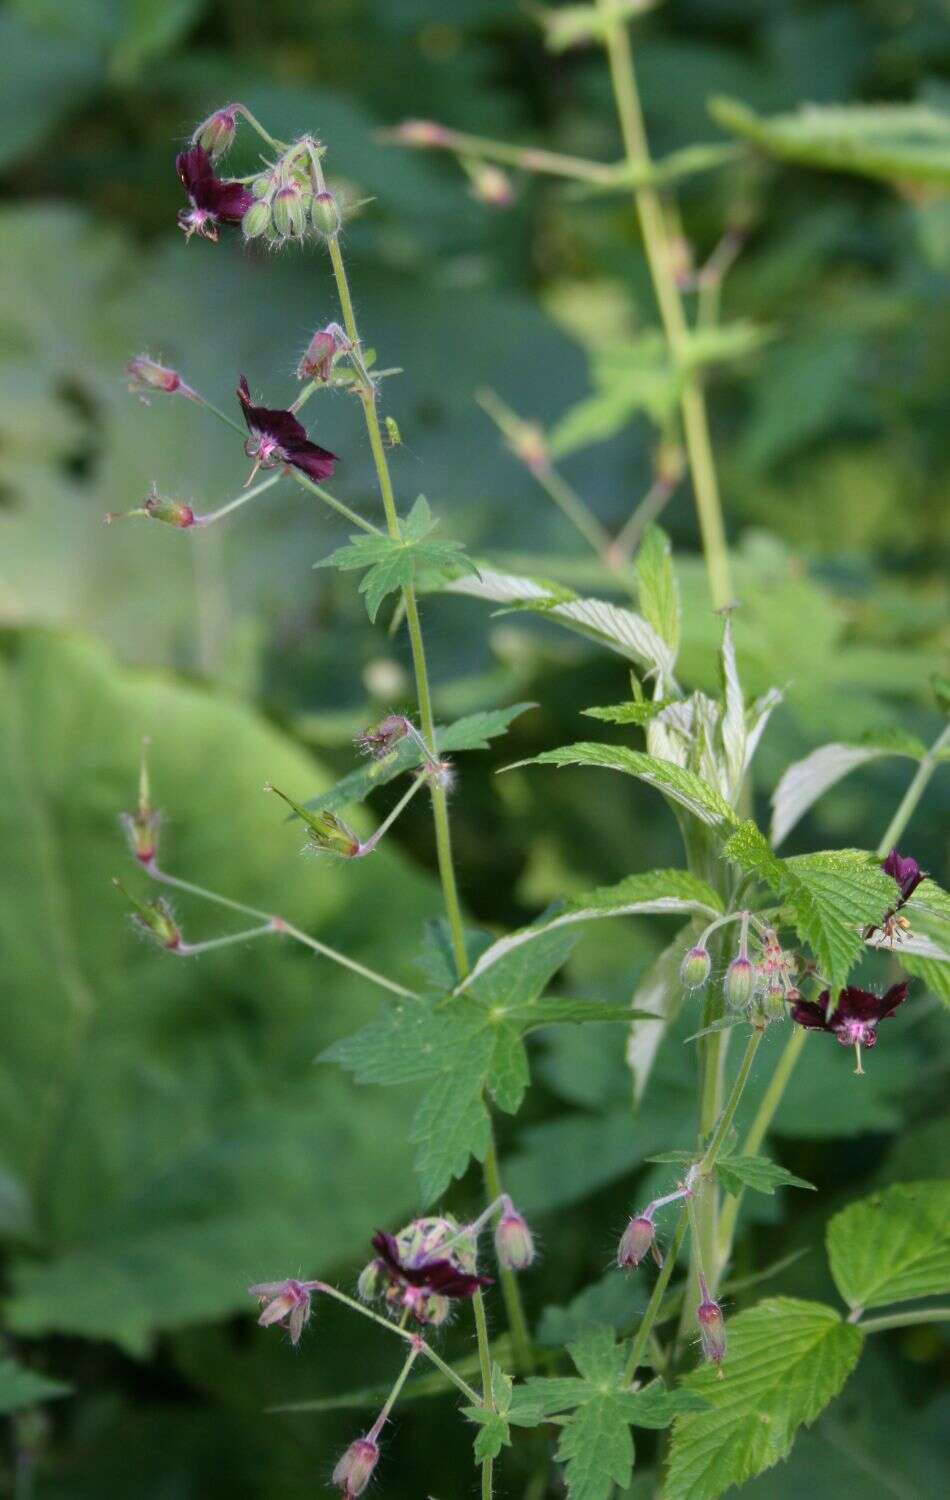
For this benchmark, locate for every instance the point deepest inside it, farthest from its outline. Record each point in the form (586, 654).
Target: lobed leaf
(756, 1172)
(892, 1246)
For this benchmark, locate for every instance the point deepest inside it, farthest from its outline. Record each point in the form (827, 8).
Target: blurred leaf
(45, 77)
(151, 28)
(897, 142)
(807, 780)
(786, 1360)
(20, 1388)
(892, 1246)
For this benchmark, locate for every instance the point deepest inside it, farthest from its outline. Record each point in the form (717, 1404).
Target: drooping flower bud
(216, 134)
(355, 1469)
(739, 983)
(286, 1303)
(317, 361)
(514, 1242)
(421, 133)
(490, 185)
(695, 968)
(155, 919)
(257, 220)
(289, 211)
(325, 831)
(712, 1330)
(325, 214)
(380, 738)
(147, 376)
(636, 1242)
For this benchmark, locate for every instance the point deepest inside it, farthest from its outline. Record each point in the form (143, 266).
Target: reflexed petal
(894, 997)
(277, 1310)
(810, 1015)
(297, 1319)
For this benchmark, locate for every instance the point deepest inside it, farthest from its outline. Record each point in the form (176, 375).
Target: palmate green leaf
(451, 1123)
(21, 1388)
(392, 562)
(786, 1360)
(895, 142)
(675, 782)
(756, 1172)
(620, 630)
(596, 1449)
(892, 1246)
(162, 1111)
(494, 1432)
(657, 891)
(473, 732)
(805, 781)
(657, 589)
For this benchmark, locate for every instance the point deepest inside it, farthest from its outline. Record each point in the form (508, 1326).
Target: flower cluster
(422, 1269)
(759, 979)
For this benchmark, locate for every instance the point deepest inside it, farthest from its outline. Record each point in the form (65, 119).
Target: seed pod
(172, 512)
(289, 212)
(257, 220)
(325, 214)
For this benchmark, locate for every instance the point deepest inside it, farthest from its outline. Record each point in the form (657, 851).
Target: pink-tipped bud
(325, 214)
(325, 831)
(355, 1469)
(154, 919)
(380, 739)
(171, 512)
(147, 376)
(739, 984)
(317, 361)
(289, 211)
(636, 1242)
(216, 134)
(514, 1243)
(695, 968)
(712, 1330)
(490, 185)
(421, 133)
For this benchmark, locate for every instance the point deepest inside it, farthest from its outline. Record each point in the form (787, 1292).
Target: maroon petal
(289, 434)
(855, 1004)
(906, 872)
(195, 170)
(811, 1015)
(226, 200)
(895, 996)
(318, 462)
(386, 1247)
(229, 200)
(438, 1276)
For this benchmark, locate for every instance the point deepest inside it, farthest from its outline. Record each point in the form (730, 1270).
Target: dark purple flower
(906, 872)
(212, 200)
(276, 437)
(855, 1018)
(438, 1276)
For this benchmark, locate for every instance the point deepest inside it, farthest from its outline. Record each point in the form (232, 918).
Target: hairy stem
(653, 1306)
(656, 244)
(403, 1333)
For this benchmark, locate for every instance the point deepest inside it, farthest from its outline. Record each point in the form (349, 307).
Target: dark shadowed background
(165, 1137)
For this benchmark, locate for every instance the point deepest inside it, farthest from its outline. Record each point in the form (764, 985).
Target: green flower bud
(289, 212)
(325, 214)
(695, 968)
(172, 512)
(216, 134)
(257, 220)
(154, 918)
(739, 983)
(326, 832)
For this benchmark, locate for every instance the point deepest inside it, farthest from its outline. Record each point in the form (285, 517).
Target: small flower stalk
(142, 827)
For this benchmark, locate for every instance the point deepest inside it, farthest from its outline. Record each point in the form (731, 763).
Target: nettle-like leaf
(596, 1445)
(466, 1047)
(392, 563)
(473, 732)
(621, 630)
(657, 588)
(756, 1172)
(677, 783)
(657, 891)
(629, 713)
(892, 1246)
(787, 1360)
(897, 142)
(805, 781)
(831, 896)
(21, 1388)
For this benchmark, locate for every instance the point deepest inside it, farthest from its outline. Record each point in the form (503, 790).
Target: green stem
(281, 926)
(403, 1333)
(393, 1396)
(223, 510)
(657, 248)
(484, 1361)
(528, 158)
(906, 1319)
(732, 1103)
(913, 795)
(653, 1306)
(189, 950)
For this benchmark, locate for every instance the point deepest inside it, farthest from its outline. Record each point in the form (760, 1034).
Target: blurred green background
(165, 1137)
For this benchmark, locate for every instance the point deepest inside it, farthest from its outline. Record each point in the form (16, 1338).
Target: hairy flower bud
(141, 827)
(147, 376)
(380, 738)
(325, 831)
(739, 983)
(155, 919)
(712, 1330)
(289, 211)
(514, 1243)
(257, 220)
(636, 1242)
(490, 185)
(695, 968)
(216, 134)
(172, 512)
(325, 214)
(317, 361)
(355, 1469)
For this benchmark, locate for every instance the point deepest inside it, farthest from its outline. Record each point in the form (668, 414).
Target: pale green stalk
(393, 1396)
(403, 1333)
(907, 1318)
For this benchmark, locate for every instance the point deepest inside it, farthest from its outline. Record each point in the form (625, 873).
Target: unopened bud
(695, 968)
(171, 512)
(147, 376)
(739, 983)
(379, 740)
(257, 220)
(712, 1330)
(289, 212)
(325, 831)
(216, 134)
(371, 1282)
(421, 133)
(393, 435)
(772, 1003)
(636, 1242)
(154, 918)
(317, 361)
(325, 214)
(514, 1243)
(355, 1469)
(490, 185)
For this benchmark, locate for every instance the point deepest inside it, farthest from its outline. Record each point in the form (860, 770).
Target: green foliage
(393, 563)
(898, 143)
(678, 784)
(657, 589)
(787, 1360)
(21, 1388)
(892, 1246)
(806, 780)
(756, 1172)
